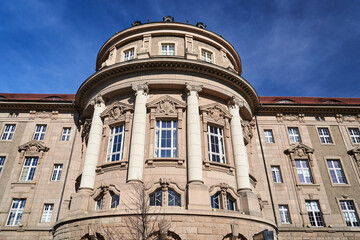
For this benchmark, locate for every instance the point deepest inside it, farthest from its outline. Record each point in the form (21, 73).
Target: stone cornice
(166, 64)
(26, 105)
(310, 108)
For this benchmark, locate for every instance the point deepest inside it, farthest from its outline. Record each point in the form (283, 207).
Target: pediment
(216, 111)
(115, 110)
(299, 149)
(33, 146)
(166, 105)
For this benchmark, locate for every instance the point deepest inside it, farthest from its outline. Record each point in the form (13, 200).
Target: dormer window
(168, 49)
(206, 56)
(129, 54)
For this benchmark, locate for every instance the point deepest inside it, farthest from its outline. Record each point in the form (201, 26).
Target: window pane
(216, 144)
(166, 139)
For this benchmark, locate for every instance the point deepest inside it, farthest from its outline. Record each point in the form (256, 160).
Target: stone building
(168, 107)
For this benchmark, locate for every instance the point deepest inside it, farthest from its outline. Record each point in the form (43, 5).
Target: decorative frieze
(290, 117)
(53, 115)
(248, 128)
(347, 118)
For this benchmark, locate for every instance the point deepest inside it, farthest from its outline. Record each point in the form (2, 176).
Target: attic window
(53, 98)
(168, 19)
(2, 97)
(285, 101)
(332, 101)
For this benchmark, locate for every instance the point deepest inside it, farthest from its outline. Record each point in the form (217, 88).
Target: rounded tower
(166, 119)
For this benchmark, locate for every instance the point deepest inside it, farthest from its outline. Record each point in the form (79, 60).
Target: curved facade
(168, 119)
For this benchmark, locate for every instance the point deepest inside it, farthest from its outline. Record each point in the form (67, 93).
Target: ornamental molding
(248, 127)
(300, 151)
(32, 148)
(85, 131)
(53, 115)
(340, 118)
(356, 153)
(215, 112)
(280, 117)
(103, 189)
(166, 105)
(114, 111)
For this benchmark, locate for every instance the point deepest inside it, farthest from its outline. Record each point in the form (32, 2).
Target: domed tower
(167, 109)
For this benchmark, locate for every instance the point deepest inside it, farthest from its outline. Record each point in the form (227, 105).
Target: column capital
(98, 100)
(192, 87)
(234, 101)
(144, 87)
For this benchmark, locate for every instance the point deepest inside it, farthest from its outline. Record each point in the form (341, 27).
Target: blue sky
(287, 47)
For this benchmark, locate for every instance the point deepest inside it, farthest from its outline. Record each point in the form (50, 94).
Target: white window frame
(314, 211)
(305, 171)
(129, 54)
(116, 135)
(2, 162)
(57, 172)
(349, 212)
(28, 171)
(40, 131)
(354, 135)
(8, 132)
(284, 214)
(324, 135)
(294, 135)
(276, 174)
(338, 172)
(173, 138)
(219, 137)
(269, 137)
(65, 136)
(166, 49)
(207, 56)
(47, 212)
(17, 211)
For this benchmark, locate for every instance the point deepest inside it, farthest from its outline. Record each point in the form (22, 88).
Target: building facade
(167, 107)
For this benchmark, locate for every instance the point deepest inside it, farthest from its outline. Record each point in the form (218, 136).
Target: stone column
(194, 159)
(239, 149)
(93, 146)
(137, 146)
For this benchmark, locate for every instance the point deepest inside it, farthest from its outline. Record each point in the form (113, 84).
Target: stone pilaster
(137, 146)
(93, 146)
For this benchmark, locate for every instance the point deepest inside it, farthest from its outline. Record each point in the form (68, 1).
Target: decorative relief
(235, 101)
(166, 106)
(43, 115)
(191, 87)
(32, 148)
(356, 153)
(86, 125)
(215, 112)
(347, 118)
(290, 117)
(115, 111)
(248, 128)
(300, 151)
(144, 88)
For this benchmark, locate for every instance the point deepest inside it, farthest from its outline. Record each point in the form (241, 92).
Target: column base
(249, 202)
(198, 196)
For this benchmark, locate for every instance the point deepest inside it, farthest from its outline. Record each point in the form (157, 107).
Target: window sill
(222, 167)
(308, 185)
(23, 184)
(110, 166)
(165, 162)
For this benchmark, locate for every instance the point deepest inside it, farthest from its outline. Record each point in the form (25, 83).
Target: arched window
(215, 201)
(99, 203)
(114, 200)
(174, 199)
(156, 198)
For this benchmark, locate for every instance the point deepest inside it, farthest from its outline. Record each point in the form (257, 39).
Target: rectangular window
(29, 168)
(57, 172)
(2, 162)
(99, 204)
(294, 135)
(40, 132)
(129, 55)
(324, 135)
(303, 170)
(65, 134)
(166, 139)
(114, 200)
(46, 216)
(168, 49)
(355, 135)
(8, 132)
(336, 172)
(315, 215)
(216, 144)
(206, 56)
(276, 174)
(284, 214)
(349, 212)
(116, 144)
(268, 136)
(15, 214)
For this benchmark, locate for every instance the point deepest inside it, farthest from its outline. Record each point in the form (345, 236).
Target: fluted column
(194, 159)
(93, 146)
(239, 149)
(137, 146)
